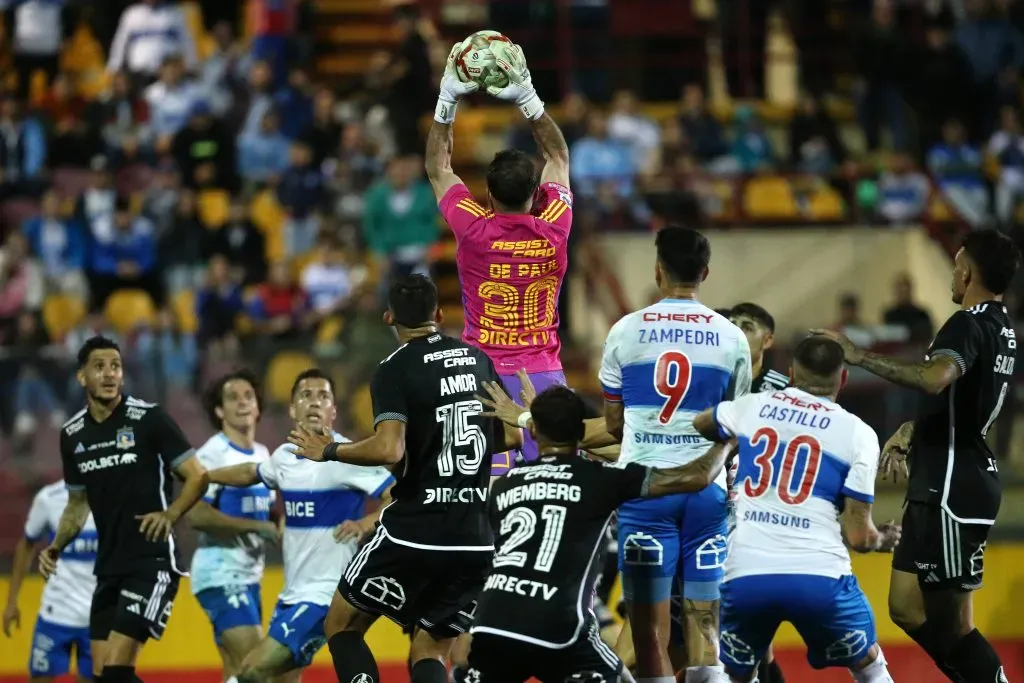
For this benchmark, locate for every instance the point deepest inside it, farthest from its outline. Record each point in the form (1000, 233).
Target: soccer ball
(475, 61)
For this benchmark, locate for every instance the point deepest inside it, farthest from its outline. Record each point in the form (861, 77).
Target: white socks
(706, 674)
(875, 672)
(231, 680)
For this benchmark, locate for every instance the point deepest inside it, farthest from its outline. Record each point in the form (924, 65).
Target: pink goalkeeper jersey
(511, 267)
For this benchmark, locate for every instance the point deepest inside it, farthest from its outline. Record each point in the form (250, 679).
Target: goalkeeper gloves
(510, 59)
(452, 89)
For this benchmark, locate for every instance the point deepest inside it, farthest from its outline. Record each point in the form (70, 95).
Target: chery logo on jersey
(107, 461)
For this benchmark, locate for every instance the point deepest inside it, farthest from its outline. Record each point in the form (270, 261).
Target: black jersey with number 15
(950, 464)
(440, 499)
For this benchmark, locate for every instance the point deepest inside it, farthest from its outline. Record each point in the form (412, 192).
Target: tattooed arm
(693, 476)
(440, 141)
(553, 148)
(71, 522)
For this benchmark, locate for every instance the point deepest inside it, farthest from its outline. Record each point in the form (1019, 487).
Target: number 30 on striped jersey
(767, 440)
(672, 373)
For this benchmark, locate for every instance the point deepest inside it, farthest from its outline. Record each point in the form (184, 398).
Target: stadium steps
(348, 34)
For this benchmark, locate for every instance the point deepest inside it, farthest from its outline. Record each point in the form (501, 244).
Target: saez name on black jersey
(124, 464)
(950, 463)
(440, 498)
(551, 517)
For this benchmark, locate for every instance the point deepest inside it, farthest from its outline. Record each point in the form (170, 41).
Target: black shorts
(497, 659)
(943, 553)
(137, 606)
(434, 590)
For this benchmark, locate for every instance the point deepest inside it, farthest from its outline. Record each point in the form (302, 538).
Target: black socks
(429, 671)
(352, 658)
(975, 660)
(118, 674)
(770, 672)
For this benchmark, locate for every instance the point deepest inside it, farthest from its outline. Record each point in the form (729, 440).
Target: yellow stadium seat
(825, 205)
(938, 209)
(194, 22)
(330, 329)
(126, 309)
(61, 312)
(268, 216)
(214, 208)
(361, 409)
(769, 198)
(184, 306)
(281, 373)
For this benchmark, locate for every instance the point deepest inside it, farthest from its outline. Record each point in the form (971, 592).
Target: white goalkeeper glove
(452, 89)
(510, 59)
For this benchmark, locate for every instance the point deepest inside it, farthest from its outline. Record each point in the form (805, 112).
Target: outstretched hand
(309, 443)
(852, 353)
(500, 404)
(527, 392)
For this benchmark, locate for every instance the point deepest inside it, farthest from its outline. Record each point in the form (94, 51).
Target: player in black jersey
(534, 616)
(759, 327)
(118, 455)
(427, 560)
(953, 494)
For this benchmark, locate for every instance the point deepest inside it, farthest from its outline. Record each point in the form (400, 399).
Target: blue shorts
(300, 628)
(675, 537)
(832, 616)
(229, 607)
(51, 650)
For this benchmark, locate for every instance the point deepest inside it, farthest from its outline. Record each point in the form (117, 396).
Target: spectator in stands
(991, 44)
(956, 166)
(906, 313)
(814, 145)
(704, 131)
(628, 124)
(849, 321)
(96, 205)
(72, 143)
(324, 132)
(39, 29)
(224, 70)
(218, 305)
(279, 309)
(412, 85)
(160, 200)
(23, 151)
(148, 32)
(33, 393)
(119, 117)
(902, 191)
(272, 22)
(60, 245)
(171, 101)
(401, 221)
(572, 122)
(21, 283)
(357, 158)
(205, 151)
(263, 156)
(252, 103)
(1007, 147)
(880, 56)
(128, 260)
(180, 246)
(941, 84)
(301, 193)
(173, 353)
(242, 244)
(295, 103)
(597, 158)
(328, 281)
(751, 147)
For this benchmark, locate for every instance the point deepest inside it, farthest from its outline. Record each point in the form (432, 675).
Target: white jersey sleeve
(864, 455)
(37, 524)
(729, 414)
(610, 374)
(267, 471)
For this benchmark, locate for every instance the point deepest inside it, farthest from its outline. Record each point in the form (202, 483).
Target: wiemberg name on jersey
(539, 490)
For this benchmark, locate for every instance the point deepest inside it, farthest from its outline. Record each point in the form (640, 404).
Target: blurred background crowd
(218, 182)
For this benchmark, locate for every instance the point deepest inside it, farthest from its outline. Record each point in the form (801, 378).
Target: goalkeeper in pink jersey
(512, 253)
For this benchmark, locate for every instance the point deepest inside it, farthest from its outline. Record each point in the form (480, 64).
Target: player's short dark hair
(558, 414)
(412, 300)
(756, 312)
(512, 177)
(213, 396)
(97, 343)
(819, 356)
(724, 312)
(312, 373)
(996, 256)
(683, 253)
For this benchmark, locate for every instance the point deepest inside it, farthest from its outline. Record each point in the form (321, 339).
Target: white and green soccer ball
(475, 60)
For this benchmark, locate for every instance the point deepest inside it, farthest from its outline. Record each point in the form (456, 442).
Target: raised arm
(440, 138)
(210, 520)
(553, 148)
(71, 522)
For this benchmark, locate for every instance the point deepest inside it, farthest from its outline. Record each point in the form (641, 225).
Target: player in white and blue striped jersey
(233, 523)
(662, 365)
(806, 484)
(62, 627)
(324, 520)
